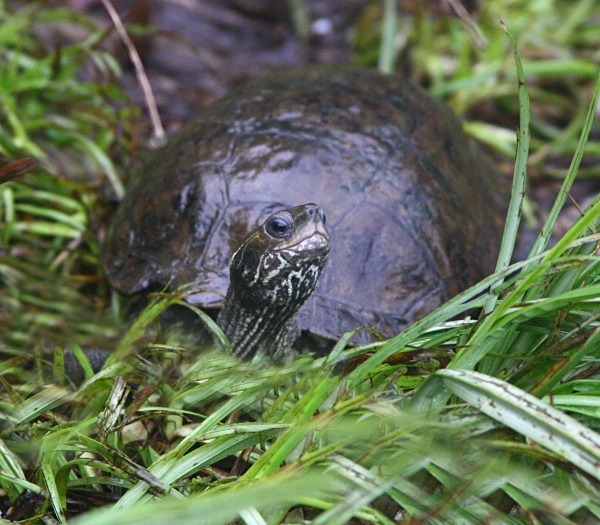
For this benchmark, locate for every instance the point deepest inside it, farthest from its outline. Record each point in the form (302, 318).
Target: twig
(140, 73)
(469, 23)
(16, 168)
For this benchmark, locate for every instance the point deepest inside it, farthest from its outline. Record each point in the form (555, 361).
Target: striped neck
(252, 330)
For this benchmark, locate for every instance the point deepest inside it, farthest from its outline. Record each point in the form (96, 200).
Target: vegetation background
(498, 424)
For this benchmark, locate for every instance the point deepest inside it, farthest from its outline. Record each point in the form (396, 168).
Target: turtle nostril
(314, 211)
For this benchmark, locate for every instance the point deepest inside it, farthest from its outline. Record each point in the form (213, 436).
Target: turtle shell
(415, 210)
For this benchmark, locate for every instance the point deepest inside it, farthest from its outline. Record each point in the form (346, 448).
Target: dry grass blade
(134, 56)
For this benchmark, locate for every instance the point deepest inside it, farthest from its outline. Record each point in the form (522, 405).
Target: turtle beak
(317, 240)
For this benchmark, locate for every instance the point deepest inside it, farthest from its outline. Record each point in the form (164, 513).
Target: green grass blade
(515, 206)
(544, 236)
(57, 497)
(217, 507)
(39, 403)
(528, 416)
(387, 54)
(12, 477)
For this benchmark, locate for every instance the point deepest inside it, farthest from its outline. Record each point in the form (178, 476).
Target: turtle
(415, 208)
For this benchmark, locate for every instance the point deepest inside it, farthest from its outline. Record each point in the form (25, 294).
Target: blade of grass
(41, 402)
(214, 508)
(12, 477)
(528, 416)
(513, 219)
(432, 394)
(57, 497)
(369, 487)
(387, 52)
(544, 236)
(137, 329)
(453, 308)
(302, 412)
(178, 462)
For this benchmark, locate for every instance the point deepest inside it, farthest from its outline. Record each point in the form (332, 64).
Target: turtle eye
(279, 228)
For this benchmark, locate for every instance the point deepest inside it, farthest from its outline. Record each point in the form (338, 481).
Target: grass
(499, 423)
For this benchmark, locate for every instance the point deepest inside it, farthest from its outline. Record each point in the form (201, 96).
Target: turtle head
(279, 263)
(272, 274)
